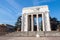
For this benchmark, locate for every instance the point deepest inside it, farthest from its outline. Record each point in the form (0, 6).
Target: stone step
(24, 34)
(32, 34)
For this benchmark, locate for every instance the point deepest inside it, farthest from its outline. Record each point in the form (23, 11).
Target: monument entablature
(35, 9)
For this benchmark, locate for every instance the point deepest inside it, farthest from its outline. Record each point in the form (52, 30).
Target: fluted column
(37, 23)
(22, 23)
(43, 22)
(26, 23)
(32, 25)
(48, 28)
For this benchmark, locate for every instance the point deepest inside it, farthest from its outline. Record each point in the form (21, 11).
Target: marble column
(37, 23)
(47, 21)
(32, 25)
(26, 23)
(22, 24)
(43, 25)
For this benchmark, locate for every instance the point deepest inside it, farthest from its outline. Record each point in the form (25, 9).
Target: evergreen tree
(54, 22)
(18, 24)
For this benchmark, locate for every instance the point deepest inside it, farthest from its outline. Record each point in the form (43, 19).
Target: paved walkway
(29, 38)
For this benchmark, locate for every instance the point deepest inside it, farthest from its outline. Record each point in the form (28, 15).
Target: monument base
(34, 34)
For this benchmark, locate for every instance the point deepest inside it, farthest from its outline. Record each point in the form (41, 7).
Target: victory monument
(29, 31)
(28, 15)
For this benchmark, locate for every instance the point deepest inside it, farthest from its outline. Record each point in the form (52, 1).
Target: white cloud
(37, 2)
(14, 4)
(6, 13)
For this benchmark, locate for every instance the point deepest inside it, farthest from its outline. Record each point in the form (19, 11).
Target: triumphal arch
(28, 15)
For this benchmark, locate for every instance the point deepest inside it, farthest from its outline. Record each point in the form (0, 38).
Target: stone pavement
(29, 38)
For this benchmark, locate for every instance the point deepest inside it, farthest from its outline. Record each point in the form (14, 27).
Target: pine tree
(18, 24)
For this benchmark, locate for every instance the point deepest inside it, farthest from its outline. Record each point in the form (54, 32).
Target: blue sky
(11, 9)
